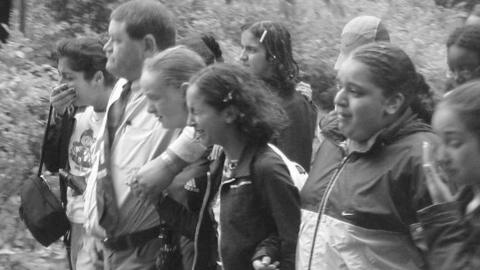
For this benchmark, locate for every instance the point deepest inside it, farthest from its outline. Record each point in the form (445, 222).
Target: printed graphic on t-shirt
(81, 151)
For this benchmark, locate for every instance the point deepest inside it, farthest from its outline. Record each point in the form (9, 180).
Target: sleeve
(447, 237)
(178, 216)
(283, 203)
(268, 247)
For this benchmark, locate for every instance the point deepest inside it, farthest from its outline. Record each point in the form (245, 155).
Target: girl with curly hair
(250, 213)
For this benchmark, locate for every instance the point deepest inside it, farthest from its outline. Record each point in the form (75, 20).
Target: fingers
(438, 189)
(62, 96)
(265, 264)
(140, 190)
(135, 187)
(266, 260)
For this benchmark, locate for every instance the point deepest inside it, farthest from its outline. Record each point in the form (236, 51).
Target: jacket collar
(406, 124)
(243, 168)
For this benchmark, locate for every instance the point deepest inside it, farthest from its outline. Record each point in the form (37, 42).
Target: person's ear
(98, 78)
(150, 45)
(394, 103)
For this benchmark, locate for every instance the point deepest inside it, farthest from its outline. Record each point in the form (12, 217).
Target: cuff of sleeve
(440, 213)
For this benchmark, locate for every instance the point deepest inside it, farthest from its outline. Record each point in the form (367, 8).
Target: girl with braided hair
(267, 53)
(463, 55)
(359, 203)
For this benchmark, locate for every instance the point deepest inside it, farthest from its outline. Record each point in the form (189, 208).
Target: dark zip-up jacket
(260, 213)
(452, 236)
(358, 206)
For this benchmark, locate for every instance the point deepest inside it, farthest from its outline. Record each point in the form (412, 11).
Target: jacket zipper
(219, 218)
(200, 220)
(323, 205)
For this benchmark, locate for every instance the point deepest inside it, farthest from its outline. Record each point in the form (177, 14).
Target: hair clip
(264, 34)
(228, 98)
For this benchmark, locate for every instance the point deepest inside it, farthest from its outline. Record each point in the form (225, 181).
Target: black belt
(131, 240)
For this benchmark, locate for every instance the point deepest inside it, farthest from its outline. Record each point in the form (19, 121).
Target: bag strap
(63, 186)
(45, 136)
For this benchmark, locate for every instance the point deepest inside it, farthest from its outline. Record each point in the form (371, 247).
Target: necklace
(228, 167)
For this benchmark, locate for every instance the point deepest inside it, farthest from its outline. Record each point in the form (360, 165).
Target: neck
(136, 86)
(102, 99)
(234, 146)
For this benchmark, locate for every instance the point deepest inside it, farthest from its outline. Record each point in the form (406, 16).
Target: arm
(158, 174)
(445, 229)
(178, 216)
(283, 203)
(447, 236)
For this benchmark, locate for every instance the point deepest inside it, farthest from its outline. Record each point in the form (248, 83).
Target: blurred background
(28, 69)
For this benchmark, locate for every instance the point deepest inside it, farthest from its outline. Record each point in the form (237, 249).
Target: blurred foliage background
(27, 70)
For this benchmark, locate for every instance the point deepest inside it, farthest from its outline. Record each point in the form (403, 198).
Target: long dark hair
(278, 45)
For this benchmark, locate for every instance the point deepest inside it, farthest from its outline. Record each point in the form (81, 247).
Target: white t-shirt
(80, 156)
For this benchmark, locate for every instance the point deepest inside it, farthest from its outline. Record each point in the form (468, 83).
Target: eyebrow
(452, 133)
(151, 95)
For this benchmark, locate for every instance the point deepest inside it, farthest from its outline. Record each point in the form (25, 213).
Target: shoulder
(265, 157)
(269, 165)
(414, 142)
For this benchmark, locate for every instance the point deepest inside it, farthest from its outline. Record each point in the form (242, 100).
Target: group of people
(176, 160)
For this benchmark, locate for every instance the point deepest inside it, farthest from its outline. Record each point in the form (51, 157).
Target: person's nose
(108, 46)
(190, 120)
(151, 108)
(243, 56)
(340, 99)
(442, 155)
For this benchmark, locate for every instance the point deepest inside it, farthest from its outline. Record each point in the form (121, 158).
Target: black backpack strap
(45, 136)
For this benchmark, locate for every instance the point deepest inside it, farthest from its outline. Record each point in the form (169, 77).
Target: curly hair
(465, 100)
(85, 55)
(260, 117)
(278, 45)
(467, 37)
(205, 45)
(394, 72)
